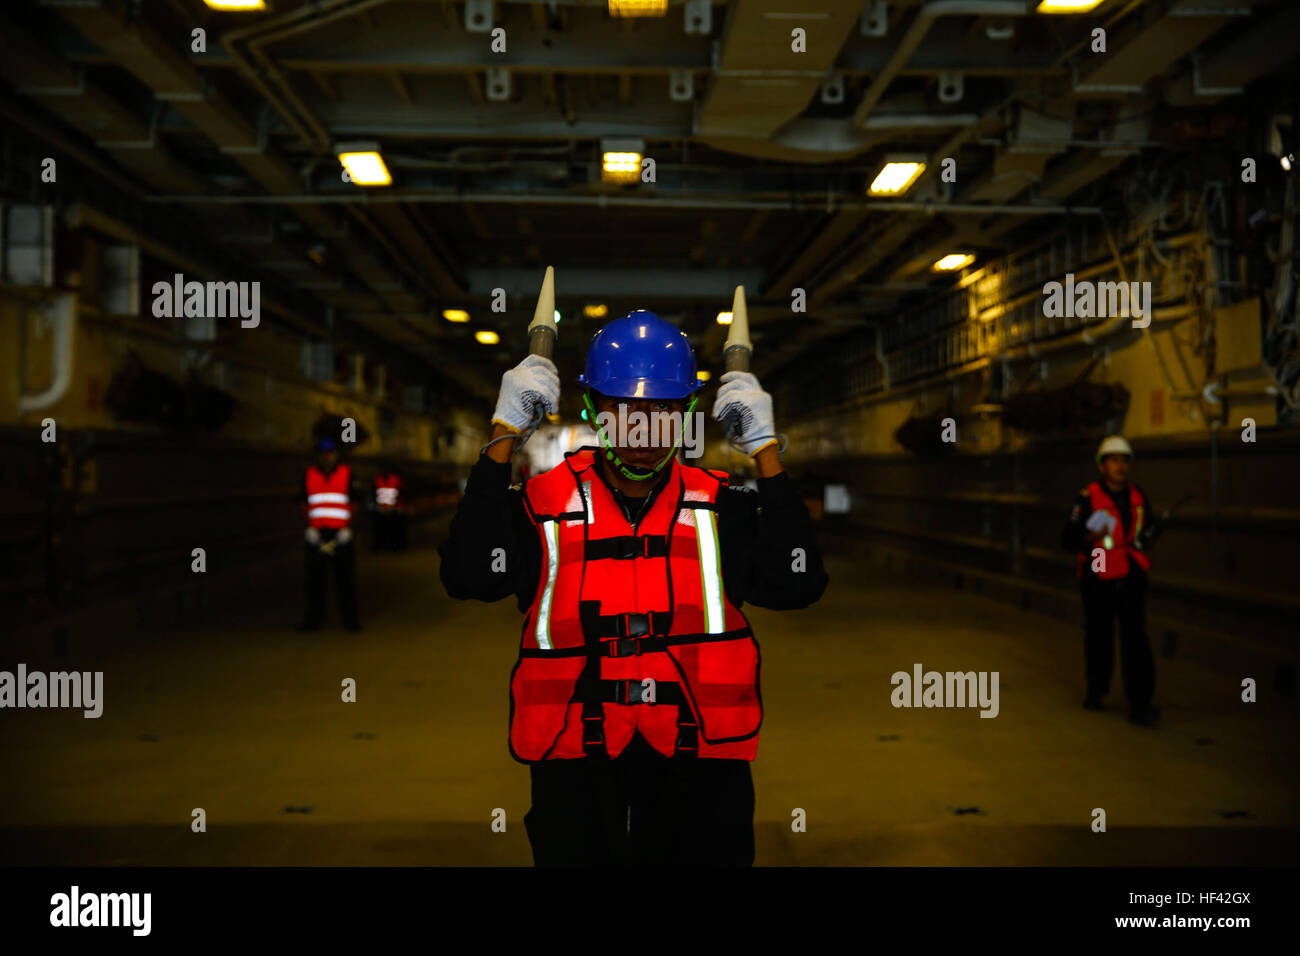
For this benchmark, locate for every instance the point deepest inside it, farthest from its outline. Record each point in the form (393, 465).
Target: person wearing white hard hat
(1110, 529)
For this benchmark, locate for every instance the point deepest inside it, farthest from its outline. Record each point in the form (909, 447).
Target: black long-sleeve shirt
(1075, 529)
(757, 532)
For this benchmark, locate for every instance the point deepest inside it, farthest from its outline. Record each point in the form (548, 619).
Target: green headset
(589, 414)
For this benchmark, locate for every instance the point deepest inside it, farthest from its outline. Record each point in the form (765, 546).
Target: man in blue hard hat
(635, 700)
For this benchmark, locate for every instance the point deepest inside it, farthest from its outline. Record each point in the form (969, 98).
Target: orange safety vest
(1119, 544)
(327, 497)
(631, 629)
(387, 490)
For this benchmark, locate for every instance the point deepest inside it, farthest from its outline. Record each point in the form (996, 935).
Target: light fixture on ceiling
(704, 375)
(896, 175)
(1287, 161)
(621, 160)
(596, 310)
(239, 5)
(724, 318)
(1067, 6)
(953, 261)
(364, 164)
(455, 315)
(487, 337)
(638, 8)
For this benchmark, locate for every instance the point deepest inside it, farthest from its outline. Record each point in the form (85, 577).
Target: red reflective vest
(631, 629)
(1118, 545)
(327, 497)
(387, 490)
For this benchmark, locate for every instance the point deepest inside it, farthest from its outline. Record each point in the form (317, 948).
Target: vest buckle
(633, 546)
(623, 647)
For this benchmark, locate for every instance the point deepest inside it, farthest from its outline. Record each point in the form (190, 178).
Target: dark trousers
(642, 809)
(389, 531)
(318, 564)
(1124, 600)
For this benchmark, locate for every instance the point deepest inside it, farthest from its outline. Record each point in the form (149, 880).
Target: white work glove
(534, 381)
(740, 393)
(312, 536)
(344, 535)
(1099, 522)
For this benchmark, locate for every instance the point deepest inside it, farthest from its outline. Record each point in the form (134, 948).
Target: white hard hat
(1113, 445)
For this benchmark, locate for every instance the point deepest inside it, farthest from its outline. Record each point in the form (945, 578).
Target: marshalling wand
(736, 353)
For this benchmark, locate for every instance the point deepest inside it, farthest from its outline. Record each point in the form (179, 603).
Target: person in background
(390, 512)
(1111, 529)
(330, 494)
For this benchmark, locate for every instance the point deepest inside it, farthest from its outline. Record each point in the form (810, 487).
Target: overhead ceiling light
(638, 8)
(621, 167)
(364, 164)
(621, 160)
(1287, 161)
(896, 176)
(487, 337)
(704, 375)
(597, 311)
(724, 318)
(1067, 6)
(236, 4)
(953, 261)
(455, 315)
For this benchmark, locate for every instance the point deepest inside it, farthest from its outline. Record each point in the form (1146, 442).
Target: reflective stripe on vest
(617, 606)
(706, 534)
(386, 490)
(328, 505)
(548, 591)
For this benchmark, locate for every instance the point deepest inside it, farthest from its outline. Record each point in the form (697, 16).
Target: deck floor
(241, 715)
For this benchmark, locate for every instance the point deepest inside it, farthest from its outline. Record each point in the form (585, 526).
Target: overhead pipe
(1214, 393)
(1093, 335)
(811, 202)
(62, 316)
(921, 23)
(287, 24)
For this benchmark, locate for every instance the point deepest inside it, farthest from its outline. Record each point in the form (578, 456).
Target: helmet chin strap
(632, 472)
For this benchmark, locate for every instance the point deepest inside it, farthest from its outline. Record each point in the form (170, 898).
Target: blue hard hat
(641, 356)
